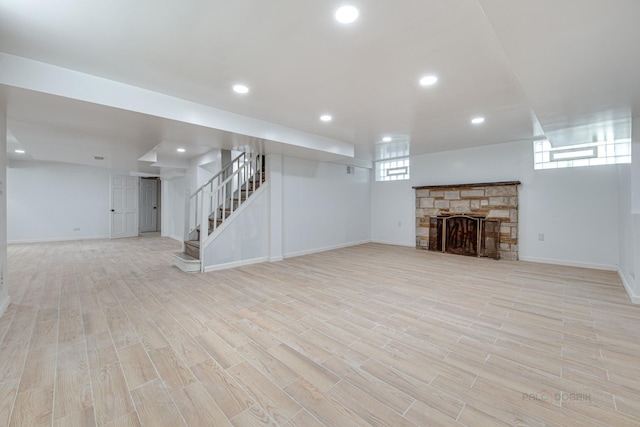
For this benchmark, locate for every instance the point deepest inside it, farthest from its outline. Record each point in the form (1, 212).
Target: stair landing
(186, 263)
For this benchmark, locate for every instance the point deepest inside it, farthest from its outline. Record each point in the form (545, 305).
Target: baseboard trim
(606, 267)
(276, 258)
(235, 264)
(635, 298)
(387, 242)
(4, 305)
(324, 249)
(56, 239)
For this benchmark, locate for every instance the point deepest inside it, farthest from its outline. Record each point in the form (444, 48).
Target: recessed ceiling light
(240, 88)
(326, 118)
(428, 80)
(20, 151)
(347, 14)
(387, 139)
(477, 120)
(181, 150)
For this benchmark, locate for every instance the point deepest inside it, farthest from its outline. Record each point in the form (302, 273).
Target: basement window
(392, 170)
(392, 159)
(590, 154)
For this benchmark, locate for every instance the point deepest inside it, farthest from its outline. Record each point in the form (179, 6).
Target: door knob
(113, 210)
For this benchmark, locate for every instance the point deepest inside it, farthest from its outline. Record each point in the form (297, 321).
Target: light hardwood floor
(106, 333)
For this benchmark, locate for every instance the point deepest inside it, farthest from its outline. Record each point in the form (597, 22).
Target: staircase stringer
(228, 222)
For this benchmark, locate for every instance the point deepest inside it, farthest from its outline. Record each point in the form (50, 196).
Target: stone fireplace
(469, 219)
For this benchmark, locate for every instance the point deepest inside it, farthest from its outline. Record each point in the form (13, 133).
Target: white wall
(173, 207)
(244, 240)
(575, 208)
(4, 295)
(323, 207)
(629, 219)
(48, 201)
(393, 214)
(203, 167)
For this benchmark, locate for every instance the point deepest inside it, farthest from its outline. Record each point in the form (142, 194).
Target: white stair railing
(216, 199)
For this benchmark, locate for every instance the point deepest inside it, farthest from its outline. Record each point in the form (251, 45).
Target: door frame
(157, 203)
(111, 209)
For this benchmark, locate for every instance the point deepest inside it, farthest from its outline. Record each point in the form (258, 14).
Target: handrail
(222, 171)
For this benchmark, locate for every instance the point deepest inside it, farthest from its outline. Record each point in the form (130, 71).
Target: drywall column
(635, 208)
(4, 294)
(274, 177)
(629, 219)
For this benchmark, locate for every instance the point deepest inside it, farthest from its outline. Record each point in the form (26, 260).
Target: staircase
(218, 201)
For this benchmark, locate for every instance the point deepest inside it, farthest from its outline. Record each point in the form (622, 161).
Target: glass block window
(589, 154)
(392, 170)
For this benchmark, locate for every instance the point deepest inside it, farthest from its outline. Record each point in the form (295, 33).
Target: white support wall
(323, 207)
(274, 176)
(245, 240)
(629, 219)
(4, 294)
(393, 213)
(173, 200)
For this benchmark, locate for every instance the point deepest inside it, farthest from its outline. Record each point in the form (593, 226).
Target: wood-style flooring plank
(8, 393)
(33, 407)
(155, 406)
(269, 396)
(198, 408)
(136, 365)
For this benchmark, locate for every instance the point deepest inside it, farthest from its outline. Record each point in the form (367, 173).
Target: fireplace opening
(465, 235)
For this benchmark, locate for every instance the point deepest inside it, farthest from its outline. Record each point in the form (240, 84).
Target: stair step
(192, 248)
(185, 262)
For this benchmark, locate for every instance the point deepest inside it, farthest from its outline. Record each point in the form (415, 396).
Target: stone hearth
(491, 201)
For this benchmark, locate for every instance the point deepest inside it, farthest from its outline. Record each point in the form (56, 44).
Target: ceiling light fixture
(428, 80)
(347, 14)
(326, 118)
(20, 151)
(477, 120)
(386, 139)
(181, 150)
(240, 88)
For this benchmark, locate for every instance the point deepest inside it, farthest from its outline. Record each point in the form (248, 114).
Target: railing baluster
(241, 171)
(224, 204)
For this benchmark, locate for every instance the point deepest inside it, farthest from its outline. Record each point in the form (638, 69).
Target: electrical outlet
(399, 223)
(541, 237)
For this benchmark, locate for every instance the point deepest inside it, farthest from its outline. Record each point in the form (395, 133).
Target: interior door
(148, 205)
(124, 206)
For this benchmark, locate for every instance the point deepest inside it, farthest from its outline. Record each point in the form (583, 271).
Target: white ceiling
(559, 64)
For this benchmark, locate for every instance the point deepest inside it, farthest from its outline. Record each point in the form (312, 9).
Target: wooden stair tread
(185, 257)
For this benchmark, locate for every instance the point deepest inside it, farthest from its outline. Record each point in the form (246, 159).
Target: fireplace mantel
(491, 200)
(478, 184)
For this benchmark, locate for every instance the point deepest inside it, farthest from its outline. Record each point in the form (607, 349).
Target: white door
(124, 206)
(148, 205)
